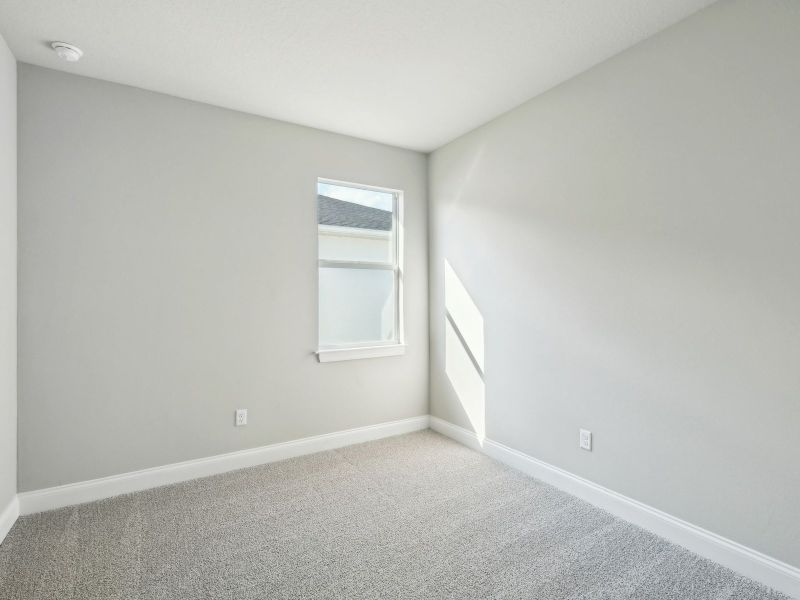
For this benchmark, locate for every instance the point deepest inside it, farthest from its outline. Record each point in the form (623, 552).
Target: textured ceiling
(411, 73)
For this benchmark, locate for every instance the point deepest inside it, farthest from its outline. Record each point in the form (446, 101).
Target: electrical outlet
(586, 439)
(241, 417)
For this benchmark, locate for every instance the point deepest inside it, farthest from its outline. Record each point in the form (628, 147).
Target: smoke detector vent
(67, 52)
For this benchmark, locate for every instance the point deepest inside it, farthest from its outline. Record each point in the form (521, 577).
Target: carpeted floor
(415, 516)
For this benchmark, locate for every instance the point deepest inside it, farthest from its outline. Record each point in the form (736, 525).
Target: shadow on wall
(464, 350)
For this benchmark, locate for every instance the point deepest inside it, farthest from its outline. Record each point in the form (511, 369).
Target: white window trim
(394, 347)
(337, 354)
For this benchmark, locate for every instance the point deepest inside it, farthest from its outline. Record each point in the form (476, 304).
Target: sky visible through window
(379, 200)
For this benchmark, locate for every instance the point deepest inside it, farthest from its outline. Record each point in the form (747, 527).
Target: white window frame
(377, 349)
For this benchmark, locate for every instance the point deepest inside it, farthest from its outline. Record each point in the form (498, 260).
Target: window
(359, 230)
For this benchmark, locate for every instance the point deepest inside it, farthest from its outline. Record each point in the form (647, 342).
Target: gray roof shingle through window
(331, 211)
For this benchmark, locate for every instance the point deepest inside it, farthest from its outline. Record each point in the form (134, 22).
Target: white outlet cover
(586, 439)
(241, 417)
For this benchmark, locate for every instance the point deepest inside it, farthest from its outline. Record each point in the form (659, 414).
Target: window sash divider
(348, 264)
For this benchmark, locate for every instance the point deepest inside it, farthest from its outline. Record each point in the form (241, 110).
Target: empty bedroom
(424, 299)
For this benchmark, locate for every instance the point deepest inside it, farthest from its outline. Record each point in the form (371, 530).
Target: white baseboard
(751, 563)
(106, 487)
(8, 516)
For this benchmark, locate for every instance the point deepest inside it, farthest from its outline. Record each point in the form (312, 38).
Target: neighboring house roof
(331, 211)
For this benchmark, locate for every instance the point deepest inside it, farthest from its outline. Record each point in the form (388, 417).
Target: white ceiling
(411, 73)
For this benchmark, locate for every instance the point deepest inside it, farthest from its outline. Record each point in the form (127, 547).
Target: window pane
(355, 224)
(356, 306)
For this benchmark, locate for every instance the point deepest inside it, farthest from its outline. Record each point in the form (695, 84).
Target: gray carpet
(415, 516)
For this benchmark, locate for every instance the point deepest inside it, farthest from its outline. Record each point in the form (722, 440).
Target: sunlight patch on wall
(464, 350)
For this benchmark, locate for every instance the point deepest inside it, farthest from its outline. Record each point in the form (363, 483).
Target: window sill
(338, 354)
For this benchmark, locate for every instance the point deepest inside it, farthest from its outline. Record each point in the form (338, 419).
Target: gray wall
(631, 241)
(8, 275)
(168, 275)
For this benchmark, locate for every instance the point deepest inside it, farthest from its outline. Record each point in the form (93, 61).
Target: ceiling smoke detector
(67, 52)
